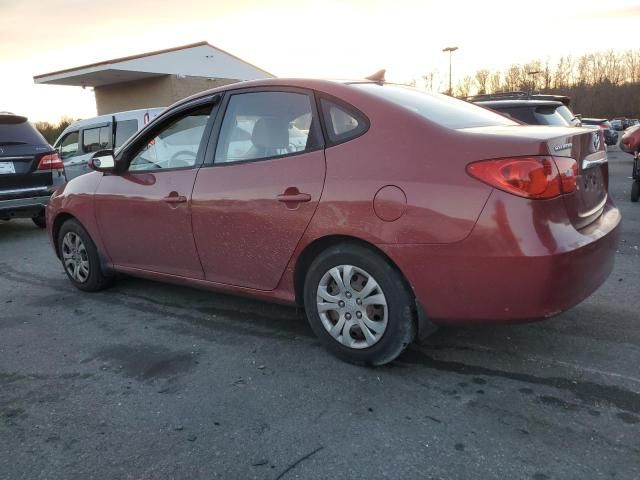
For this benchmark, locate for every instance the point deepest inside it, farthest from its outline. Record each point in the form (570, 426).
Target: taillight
(568, 169)
(529, 177)
(51, 161)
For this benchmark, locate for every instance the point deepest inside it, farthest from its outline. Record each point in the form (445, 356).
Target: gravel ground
(152, 381)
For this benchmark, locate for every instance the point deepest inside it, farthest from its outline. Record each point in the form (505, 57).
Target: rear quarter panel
(400, 148)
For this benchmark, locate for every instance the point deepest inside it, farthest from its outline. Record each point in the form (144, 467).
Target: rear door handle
(175, 199)
(294, 197)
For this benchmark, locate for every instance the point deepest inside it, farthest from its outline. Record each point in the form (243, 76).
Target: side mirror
(102, 161)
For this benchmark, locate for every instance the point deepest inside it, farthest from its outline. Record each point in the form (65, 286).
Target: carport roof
(197, 59)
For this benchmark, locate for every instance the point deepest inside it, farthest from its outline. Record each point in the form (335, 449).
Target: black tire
(401, 324)
(96, 280)
(635, 191)
(40, 220)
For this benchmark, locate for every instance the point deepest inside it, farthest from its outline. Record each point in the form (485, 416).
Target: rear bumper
(514, 266)
(23, 207)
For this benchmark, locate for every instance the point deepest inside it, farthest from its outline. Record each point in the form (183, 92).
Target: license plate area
(7, 168)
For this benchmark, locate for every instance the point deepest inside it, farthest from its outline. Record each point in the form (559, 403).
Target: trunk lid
(587, 147)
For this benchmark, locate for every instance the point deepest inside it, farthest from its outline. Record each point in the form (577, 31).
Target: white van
(81, 139)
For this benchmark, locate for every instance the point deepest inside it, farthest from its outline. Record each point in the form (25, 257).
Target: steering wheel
(174, 161)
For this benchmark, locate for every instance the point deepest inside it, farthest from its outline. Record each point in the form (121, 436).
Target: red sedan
(382, 209)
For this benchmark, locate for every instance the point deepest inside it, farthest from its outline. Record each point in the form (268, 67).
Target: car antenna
(377, 77)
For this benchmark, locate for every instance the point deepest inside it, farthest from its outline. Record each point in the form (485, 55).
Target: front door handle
(175, 198)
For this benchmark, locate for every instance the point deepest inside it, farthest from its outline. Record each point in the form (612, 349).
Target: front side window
(176, 145)
(265, 125)
(69, 145)
(94, 139)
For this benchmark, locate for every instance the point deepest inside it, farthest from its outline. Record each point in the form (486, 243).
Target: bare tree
(495, 82)
(481, 79)
(463, 88)
(428, 80)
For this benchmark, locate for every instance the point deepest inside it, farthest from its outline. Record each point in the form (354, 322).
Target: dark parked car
(382, 209)
(532, 109)
(610, 135)
(616, 124)
(30, 170)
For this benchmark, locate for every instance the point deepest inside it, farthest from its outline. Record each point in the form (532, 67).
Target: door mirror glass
(103, 161)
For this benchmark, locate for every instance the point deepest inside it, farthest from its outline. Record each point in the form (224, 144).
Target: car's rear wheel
(40, 220)
(635, 191)
(80, 258)
(358, 304)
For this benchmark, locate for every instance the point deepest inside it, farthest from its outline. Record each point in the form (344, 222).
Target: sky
(301, 38)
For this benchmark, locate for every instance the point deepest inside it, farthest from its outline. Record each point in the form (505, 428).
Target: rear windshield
(441, 109)
(552, 116)
(567, 114)
(18, 131)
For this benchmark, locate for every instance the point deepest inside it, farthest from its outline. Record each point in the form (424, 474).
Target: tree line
(602, 84)
(51, 131)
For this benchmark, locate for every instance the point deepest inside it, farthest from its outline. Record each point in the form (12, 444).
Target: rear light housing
(536, 177)
(50, 161)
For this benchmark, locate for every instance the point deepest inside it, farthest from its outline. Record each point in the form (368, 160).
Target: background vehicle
(30, 170)
(532, 109)
(400, 210)
(81, 139)
(610, 135)
(630, 143)
(616, 124)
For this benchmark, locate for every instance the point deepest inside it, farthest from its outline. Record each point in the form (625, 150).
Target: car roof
(307, 83)
(595, 120)
(8, 117)
(126, 115)
(519, 103)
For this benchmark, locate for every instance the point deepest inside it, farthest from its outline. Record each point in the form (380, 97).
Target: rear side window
(342, 122)
(94, 139)
(16, 130)
(441, 109)
(125, 130)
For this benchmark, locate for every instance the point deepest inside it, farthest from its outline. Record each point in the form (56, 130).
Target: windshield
(441, 109)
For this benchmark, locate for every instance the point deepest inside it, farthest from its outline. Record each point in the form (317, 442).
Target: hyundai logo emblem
(596, 141)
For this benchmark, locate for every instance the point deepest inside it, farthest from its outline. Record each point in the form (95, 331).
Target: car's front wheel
(358, 305)
(80, 258)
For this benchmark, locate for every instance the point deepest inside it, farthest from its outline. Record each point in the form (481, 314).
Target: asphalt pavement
(153, 381)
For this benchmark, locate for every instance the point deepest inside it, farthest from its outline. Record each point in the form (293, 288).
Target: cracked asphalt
(153, 381)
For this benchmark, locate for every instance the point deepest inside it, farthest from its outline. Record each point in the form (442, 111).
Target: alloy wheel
(75, 257)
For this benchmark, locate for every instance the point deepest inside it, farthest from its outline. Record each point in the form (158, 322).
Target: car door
(93, 138)
(70, 152)
(254, 199)
(144, 213)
